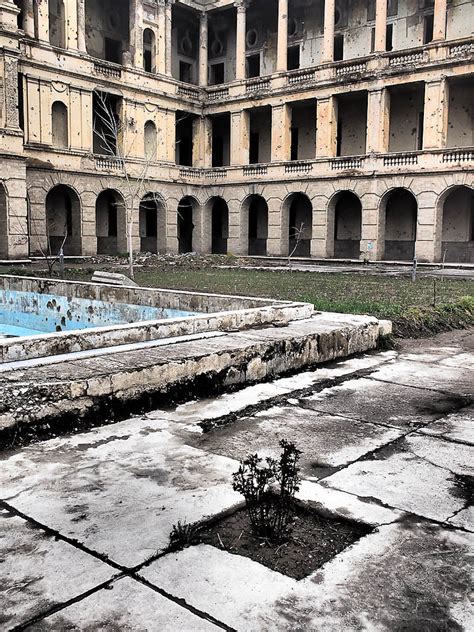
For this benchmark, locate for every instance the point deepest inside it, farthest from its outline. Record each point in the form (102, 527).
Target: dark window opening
(151, 222)
(185, 226)
(339, 47)
(253, 66)
(220, 140)
(428, 29)
(419, 140)
(217, 149)
(339, 138)
(184, 139)
(372, 40)
(185, 72)
(217, 74)
(392, 8)
(294, 143)
(147, 61)
(389, 38)
(293, 57)
(113, 50)
(254, 148)
(106, 108)
(21, 113)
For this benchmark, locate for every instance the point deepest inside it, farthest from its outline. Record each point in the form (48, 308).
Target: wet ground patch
(313, 541)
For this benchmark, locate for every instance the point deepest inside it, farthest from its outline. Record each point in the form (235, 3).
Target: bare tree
(297, 234)
(111, 132)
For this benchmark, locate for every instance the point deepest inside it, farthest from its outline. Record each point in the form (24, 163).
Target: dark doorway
(258, 226)
(185, 226)
(220, 227)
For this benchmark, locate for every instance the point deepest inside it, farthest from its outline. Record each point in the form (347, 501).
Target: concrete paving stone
(38, 572)
(126, 605)
(215, 407)
(326, 441)
(418, 474)
(118, 489)
(458, 426)
(402, 576)
(464, 519)
(465, 360)
(346, 505)
(429, 376)
(383, 403)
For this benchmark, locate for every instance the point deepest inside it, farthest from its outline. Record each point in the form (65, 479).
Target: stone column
(8, 16)
(203, 36)
(70, 7)
(29, 19)
(436, 114)
(282, 51)
(439, 26)
(168, 31)
(240, 41)
(378, 117)
(136, 32)
(202, 142)
(43, 20)
(326, 137)
(10, 84)
(380, 26)
(81, 26)
(281, 124)
(239, 138)
(328, 47)
(161, 39)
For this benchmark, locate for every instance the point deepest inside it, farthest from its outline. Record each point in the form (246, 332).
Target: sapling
(269, 489)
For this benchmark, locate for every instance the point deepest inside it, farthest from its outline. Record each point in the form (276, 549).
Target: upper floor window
(149, 50)
(60, 125)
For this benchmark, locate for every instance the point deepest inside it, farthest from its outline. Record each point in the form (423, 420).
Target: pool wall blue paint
(31, 313)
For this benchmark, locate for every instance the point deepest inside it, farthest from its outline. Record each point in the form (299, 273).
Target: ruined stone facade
(323, 128)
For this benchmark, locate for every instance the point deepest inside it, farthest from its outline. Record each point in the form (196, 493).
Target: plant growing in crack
(269, 490)
(182, 535)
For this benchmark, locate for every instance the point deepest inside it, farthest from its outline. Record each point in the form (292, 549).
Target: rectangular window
(293, 57)
(392, 8)
(294, 143)
(253, 66)
(339, 47)
(217, 74)
(371, 11)
(254, 148)
(428, 28)
(113, 50)
(185, 72)
(389, 38)
(372, 40)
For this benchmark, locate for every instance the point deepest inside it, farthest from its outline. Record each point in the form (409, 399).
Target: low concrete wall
(241, 313)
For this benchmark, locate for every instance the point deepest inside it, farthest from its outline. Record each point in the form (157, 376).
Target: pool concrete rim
(55, 343)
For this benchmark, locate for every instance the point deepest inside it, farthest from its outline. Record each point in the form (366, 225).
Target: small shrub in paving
(182, 535)
(269, 490)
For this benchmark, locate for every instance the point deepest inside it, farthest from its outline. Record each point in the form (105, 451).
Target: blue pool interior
(30, 313)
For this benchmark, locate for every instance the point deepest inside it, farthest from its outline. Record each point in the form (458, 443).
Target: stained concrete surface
(102, 504)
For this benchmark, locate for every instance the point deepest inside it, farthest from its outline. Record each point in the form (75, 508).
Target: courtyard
(387, 444)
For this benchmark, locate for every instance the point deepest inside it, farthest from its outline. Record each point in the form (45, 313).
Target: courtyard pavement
(387, 439)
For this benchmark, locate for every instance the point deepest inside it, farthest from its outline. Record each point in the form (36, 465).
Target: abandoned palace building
(334, 129)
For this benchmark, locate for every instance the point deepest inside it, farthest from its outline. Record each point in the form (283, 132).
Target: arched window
(150, 140)
(60, 125)
(149, 50)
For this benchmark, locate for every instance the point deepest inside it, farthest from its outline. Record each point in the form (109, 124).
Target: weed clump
(269, 490)
(182, 535)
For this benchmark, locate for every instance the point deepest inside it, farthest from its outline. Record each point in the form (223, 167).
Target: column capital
(241, 5)
(203, 17)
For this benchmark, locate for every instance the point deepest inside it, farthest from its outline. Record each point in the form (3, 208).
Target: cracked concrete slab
(418, 474)
(383, 582)
(326, 441)
(447, 379)
(383, 403)
(39, 572)
(458, 426)
(125, 605)
(118, 489)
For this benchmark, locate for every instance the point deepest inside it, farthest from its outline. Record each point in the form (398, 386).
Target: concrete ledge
(82, 387)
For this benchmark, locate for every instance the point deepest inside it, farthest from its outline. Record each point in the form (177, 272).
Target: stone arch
(57, 23)
(149, 50)
(456, 211)
(400, 216)
(63, 220)
(297, 225)
(110, 223)
(152, 224)
(3, 222)
(255, 212)
(150, 136)
(60, 124)
(187, 219)
(344, 225)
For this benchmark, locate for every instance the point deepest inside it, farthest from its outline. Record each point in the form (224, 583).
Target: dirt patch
(313, 541)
